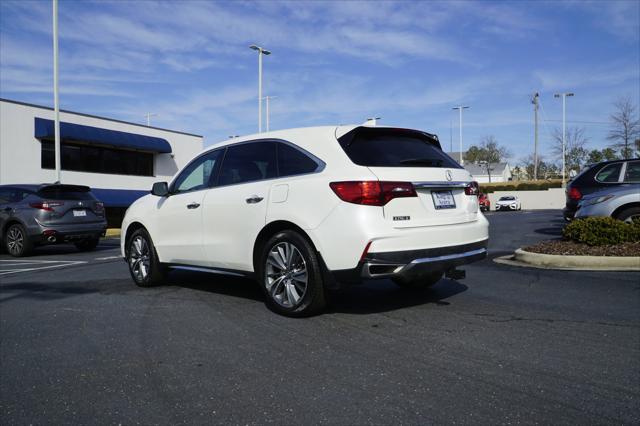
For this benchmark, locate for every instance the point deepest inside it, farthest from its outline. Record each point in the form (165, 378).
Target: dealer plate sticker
(79, 213)
(443, 200)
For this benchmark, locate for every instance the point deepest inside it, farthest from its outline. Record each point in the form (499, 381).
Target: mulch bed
(571, 248)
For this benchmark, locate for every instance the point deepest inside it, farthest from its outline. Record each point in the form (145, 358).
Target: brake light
(99, 206)
(372, 192)
(472, 188)
(574, 193)
(46, 205)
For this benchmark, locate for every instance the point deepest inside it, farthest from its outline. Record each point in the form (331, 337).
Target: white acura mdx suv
(305, 210)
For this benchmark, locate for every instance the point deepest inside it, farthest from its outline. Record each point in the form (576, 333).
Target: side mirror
(160, 189)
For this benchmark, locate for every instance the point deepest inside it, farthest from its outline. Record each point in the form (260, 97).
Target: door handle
(193, 206)
(254, 199)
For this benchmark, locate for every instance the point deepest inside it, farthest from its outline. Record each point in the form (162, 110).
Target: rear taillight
(472, 188)
(99, 206)
(574, 194)
(372, 192)
(46, 205)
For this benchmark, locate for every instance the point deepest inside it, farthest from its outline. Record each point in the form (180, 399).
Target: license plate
(443, 200)
(79, 213)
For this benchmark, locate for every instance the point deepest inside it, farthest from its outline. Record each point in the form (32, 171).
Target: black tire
(142, 258)
(87, 245)
(16, 241)
(425, 281)
(629, 214)
(282, 281)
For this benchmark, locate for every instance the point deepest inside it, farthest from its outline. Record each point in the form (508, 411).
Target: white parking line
(59, 264)
(108, 258)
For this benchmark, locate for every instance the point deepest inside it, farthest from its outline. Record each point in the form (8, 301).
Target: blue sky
(332, 62)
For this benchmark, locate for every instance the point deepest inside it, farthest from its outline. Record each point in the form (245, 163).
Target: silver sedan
(620, 202)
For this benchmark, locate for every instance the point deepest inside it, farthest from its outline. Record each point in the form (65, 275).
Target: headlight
(598, 200)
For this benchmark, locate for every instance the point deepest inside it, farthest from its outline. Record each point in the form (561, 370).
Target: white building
(120, 161)
(499, 172)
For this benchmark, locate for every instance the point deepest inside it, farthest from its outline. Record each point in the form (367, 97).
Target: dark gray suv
(32, 215)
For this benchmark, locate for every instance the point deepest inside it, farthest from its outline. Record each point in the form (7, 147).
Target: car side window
(248, 162)
(197, 175)
(5, 196)
(292, 161)
(632, 175)
(610, 173)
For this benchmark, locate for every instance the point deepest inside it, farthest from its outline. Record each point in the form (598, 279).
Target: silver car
(32, 215)
(620, 202)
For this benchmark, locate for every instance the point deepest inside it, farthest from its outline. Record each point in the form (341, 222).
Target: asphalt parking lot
(80, 343)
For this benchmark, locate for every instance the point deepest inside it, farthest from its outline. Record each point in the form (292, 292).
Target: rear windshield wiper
(424, 161)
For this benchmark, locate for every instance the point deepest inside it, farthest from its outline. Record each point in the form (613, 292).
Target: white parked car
(305, 210)
(508, 202)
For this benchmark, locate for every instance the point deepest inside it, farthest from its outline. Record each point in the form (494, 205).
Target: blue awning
(44, 129)
(117, 197)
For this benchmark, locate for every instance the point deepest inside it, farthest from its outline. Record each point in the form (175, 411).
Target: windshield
(506, 199)
(394, 148)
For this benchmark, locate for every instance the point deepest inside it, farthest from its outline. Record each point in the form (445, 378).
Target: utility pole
(460, 108)
(564, 132)
(56, 98)
(534, 101)
(261, 51)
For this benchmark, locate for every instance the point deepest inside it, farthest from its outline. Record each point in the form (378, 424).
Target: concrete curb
(578, 263)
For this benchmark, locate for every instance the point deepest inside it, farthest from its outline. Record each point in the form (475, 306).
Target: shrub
(598, 231)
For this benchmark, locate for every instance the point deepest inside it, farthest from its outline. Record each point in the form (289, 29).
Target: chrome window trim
(440, 184)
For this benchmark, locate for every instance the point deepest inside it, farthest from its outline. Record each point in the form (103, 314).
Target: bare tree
(625, 127)
(575, 151)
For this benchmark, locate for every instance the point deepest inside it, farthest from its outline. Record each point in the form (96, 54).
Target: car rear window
(66, 192)
(610, 173)
(394, 148)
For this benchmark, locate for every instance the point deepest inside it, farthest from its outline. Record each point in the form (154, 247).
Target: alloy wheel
(139, 259)
(286, 275)
(15, 240)
(632, 218)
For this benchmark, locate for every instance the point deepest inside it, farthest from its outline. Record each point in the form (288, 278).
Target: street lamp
(460, 108)
(266, 98)
(564, 126)
(372, 121)
(261, 51)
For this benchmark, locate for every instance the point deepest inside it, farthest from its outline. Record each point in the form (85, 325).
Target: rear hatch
(68, 204)
(402, 155)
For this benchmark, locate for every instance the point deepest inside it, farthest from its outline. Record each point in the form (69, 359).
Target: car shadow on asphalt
(555, 228)
(374, 297)
(368, 298)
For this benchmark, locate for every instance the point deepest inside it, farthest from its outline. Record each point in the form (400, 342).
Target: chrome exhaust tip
(51, 239)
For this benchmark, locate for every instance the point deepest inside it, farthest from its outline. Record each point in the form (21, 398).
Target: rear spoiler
(347, 138)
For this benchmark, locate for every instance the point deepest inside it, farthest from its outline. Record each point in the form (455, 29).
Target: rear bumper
(412, 264)
(45, 234)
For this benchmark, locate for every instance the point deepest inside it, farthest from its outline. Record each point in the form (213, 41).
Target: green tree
(487, 154)
(606, 154)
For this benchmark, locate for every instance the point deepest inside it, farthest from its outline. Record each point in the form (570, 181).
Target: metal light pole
(266, 98)
(534, 101)
(460, 108)
(149, 115)
(261, 51)
(56, 100)
(564, 132)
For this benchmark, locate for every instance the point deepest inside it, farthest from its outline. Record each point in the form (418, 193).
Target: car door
(234, 210)
(177, 231)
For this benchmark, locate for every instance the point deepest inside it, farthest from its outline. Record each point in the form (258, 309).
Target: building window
(95, 159)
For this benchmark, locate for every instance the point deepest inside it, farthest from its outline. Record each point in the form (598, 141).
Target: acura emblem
(448, 175)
